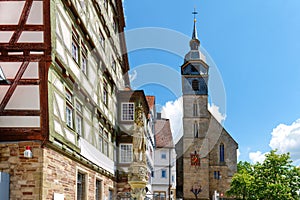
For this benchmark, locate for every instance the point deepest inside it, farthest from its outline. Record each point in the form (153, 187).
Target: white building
(164, 174)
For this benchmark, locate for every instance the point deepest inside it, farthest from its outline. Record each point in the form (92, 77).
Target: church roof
(163, 134)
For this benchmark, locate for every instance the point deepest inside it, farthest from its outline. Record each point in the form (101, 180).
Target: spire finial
(194, 36)
(195, 13)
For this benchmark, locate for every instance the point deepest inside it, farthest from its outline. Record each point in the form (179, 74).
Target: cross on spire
(194, 35)
(195, 13)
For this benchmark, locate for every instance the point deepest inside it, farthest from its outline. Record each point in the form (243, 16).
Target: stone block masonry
(47, 172)
(25, 173)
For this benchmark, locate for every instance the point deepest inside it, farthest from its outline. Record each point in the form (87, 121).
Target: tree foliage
(276, 178)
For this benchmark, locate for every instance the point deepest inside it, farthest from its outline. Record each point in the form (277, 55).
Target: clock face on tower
(195, 159)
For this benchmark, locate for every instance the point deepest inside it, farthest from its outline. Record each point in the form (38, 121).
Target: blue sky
(255, 46)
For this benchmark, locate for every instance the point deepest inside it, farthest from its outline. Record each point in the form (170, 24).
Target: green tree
(276, 178)
(241, 184)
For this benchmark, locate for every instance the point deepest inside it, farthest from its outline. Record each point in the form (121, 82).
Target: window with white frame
(105, 93)
(100, 138)
(83, 60)
(69, 109)
(105, 143)
(75, 46)
(113, 65)
(126, 153)
(127, 111)
(78, 119)
(101, 38)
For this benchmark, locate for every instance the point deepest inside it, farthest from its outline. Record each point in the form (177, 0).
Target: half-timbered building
(62, 64)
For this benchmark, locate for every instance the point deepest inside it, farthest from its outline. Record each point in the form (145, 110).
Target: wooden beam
(22, 21)
(22, 46)
(13, 86)
(21, 58)
(20, 113)
(26, 81)
(12, 134)
(25, 27)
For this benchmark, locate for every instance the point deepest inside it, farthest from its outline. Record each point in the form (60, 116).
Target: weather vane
(195, 13)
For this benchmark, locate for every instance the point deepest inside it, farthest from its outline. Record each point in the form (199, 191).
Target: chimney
(158, 116)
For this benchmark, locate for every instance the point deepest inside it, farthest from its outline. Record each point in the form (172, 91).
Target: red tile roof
(151, 101)
(163, 134)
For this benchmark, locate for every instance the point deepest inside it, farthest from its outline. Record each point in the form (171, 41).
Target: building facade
(164, 174)
(64, 63)
(206, 153)
(135, 142)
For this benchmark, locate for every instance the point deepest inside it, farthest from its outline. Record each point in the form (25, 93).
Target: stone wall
(25, 173)
(46, 173)
(60, 175)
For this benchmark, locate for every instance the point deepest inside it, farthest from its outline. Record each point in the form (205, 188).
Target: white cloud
(173, 110)
(215, 111)
(286, 138)
(257, 157)
(238, 153)
(132, 75)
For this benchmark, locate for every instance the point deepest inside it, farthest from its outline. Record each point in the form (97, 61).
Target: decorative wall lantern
(3, 79)
(196, 190)
(28, 152)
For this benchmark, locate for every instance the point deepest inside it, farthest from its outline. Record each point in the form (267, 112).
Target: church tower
(201, 150)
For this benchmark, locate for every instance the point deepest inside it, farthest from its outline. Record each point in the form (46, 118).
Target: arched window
(195, 85)
(196, 131)
(222, 152)
(195, 109)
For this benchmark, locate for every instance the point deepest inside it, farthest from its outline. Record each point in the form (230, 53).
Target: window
(195, 109)
(222, 158)
(84, 60)
(195, 85)
(196, 131)
(173, 178)
(69, 117)
(98, 190)
(101, 140)
(125, 153)
(164, 173)
(113, 65)
(217, 175)
(152, 174)
(105, 93)
(110, 195)
(105, 143)
(80, 186)
(163, 155)
(127, 111)
(75, 46)
(159, 195)
(78, 119)
(115, 25)
(101, 39)
(69, 109)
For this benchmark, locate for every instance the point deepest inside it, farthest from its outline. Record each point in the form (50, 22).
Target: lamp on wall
(3, 79)
(28, 152)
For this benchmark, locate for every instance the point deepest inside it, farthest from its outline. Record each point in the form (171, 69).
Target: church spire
(195, 36)
(194, 43)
